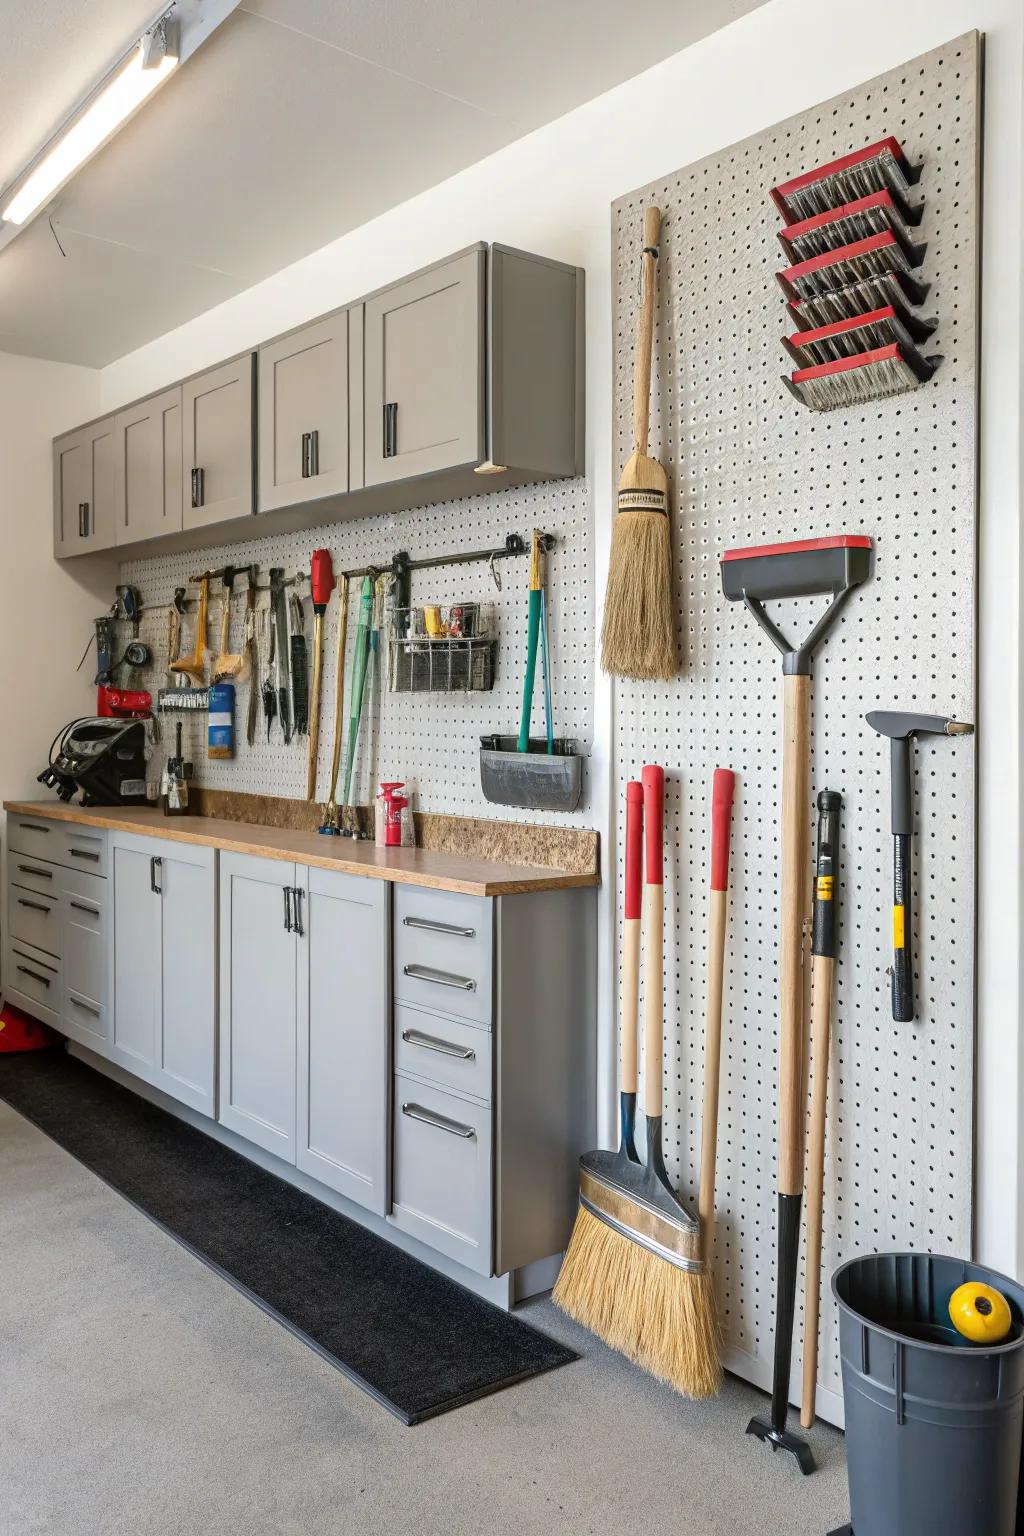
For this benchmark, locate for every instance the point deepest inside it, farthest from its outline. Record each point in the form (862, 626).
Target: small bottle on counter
(382, 811)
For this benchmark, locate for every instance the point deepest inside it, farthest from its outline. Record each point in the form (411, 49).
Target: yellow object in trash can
(980, 1313)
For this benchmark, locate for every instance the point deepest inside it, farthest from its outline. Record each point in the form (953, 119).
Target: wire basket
(435, 649)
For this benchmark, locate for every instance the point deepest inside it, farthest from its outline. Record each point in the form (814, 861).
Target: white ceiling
(297, 121)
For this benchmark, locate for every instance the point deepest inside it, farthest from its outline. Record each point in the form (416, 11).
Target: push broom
(634, 1272)
(638, 633)
(755, 576)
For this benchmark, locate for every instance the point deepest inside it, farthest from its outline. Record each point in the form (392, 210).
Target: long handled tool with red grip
(322, 584)
(721, 814)
(630, 1000)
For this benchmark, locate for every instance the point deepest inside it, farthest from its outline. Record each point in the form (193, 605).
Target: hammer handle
(902, 952)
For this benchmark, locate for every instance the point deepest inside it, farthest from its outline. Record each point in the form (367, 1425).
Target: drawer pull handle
(80, 906)
(439, 1122)
(443, 1047)
(32, 826)
(34, 974)
(435, 927)
(80, 853)
(86, 1007)
(30, 869)
(37, 906)
(442, 978)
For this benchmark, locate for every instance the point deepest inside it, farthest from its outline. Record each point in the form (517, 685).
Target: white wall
(551, 192)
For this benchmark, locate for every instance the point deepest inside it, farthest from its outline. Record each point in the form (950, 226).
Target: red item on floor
(19, 1032)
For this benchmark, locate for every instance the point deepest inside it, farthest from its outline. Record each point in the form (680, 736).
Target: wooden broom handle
(796, 740)
(823, 967)
(645, 330)
(654, 936)
(721, 811)
(632, 908)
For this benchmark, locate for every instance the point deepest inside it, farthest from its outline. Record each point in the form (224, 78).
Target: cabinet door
(137, 952)
(303, 415)
(257, 1002)
(85, 489)
(424, 370)
(149, 468)
(217, 443)
(84, 935)
(343, 1035)
(185, 1064)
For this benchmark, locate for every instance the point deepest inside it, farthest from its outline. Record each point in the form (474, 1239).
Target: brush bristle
(638, 634)
(661, 1317)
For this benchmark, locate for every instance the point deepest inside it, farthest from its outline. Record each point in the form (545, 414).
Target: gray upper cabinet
(148, 468)
(218, 443)
(463, 378)
(85, 489)
(424, 373)
(304, 415)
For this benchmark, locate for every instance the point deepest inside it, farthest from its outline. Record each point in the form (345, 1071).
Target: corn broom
(634, 1272)
(638, 632)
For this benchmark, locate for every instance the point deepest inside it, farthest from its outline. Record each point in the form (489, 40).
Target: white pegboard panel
(430, 740)
(748, 465)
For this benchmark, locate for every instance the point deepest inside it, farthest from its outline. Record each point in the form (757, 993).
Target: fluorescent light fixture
(123, 93)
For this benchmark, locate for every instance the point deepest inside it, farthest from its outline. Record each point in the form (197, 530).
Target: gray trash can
(933, 1423)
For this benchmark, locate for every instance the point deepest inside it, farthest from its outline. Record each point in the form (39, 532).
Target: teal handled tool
(533, 635)
(359, 663)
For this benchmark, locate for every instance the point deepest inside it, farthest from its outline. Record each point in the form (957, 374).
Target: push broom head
(803, 568)
(873, 375)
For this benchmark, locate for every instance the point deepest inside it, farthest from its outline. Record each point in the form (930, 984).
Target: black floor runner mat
(418, 1342)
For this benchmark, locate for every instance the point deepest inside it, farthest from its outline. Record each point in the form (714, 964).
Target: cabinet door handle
(439, 1122)
(433, 1043)
(432, 926)
(30, 869)
(34, 974)
(297, 911)
(155, 864)
(37, 906)
(391, 429)
(287, 909)
(197, 488)
(305, 455)
(83, 519)
(80, 853)
(33, 826)
(86, 1007)
(310, 454)
(80, 906)
(442, 978)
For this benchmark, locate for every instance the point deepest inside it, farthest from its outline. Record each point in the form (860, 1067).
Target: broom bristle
(638, 635)
(661, 1317)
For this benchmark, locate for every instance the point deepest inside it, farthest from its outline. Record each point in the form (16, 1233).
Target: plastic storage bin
(933, 1423)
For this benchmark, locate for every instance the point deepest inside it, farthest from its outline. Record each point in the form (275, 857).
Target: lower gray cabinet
(84, 933)
(442, 1185)
(304, 1046)
(164, 965)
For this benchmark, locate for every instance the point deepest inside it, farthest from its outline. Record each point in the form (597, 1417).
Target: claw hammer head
(900, 726)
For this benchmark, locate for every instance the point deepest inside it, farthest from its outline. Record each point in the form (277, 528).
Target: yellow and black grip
(826, 874)
(902, 955)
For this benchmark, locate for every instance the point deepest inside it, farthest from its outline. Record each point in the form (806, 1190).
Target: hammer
(899, 728)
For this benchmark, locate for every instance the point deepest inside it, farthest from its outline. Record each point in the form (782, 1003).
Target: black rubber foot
(782, 1440)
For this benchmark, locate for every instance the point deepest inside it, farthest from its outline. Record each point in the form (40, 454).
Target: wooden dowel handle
(632, 909)
(654, 936)
(645, 329)
(722, 789)
(795, 864)
(822, 969)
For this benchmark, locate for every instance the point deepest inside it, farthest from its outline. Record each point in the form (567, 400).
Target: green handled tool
(532, 638)
(359, 664)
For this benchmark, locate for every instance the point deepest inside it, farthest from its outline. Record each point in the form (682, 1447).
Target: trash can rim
(901, 1338)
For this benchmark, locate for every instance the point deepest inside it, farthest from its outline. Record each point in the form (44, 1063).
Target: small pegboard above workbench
(431, 740)
(749, 465)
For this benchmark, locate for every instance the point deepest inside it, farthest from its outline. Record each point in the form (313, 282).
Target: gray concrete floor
(140, 1394)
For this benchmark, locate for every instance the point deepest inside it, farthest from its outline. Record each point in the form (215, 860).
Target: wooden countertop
(403, 866)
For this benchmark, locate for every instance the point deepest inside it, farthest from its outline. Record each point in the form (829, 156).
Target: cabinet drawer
(83, 848)
(86, 931)
(33, 874)
(85, 1020)
(33, 835)
(442, 1172)
(34, 918)
(446, 1052)
(442, 952)
(35, 975)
